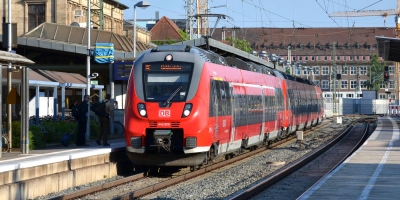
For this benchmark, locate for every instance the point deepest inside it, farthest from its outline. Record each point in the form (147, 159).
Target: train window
(228, 98)
(224, 98)
(213, 95)
(160, 86)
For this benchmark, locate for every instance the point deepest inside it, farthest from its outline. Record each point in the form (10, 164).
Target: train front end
(164, 114)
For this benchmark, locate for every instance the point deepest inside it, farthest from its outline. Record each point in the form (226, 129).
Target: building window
(316, 70)
(305, 71)
(391, 70)
(363, 84)
(392, 96)
(363, 57)
(317, 82)
(349, 95)
(353, 84)
(325, 70)
(312, 58)
(391, 84)
(319, 57)
(357, 57)
(337, 57)
(325, 84)
(326, 58)
(300, 57)
(344, 84)
(351, 57)
(305, 57)
(298, 71)
(36, 15)
(382, 85)
(353, 70)
(363, 70)
(344, 70)
(344, 57)
(382, 96)
(294, 57)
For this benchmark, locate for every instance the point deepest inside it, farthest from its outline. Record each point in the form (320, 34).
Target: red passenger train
(185, 106)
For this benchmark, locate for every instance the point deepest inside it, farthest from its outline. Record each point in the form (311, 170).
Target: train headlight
(142, 110)
(187, 110)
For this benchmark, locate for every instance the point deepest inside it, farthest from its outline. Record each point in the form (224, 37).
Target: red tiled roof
(311, 41)
(165, 29)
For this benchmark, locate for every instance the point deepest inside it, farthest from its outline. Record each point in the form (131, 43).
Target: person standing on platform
(105, 120)
(82, 121)
(115, 105)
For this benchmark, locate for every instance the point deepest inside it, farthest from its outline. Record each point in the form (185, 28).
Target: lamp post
(143, 5)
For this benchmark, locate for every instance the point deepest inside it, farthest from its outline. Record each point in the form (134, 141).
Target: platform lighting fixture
(143, 5)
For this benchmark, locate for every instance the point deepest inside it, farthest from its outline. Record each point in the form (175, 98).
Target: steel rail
(173, 181)
(296, 165)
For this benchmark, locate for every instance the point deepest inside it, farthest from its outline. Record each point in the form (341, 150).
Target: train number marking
(164, 113)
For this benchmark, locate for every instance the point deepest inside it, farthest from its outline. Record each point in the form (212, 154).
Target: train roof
(210, 56)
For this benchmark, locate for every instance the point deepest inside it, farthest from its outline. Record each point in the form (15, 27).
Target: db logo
(164, 113)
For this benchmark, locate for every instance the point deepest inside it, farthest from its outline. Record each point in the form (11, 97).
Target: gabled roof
(165, 29)
(74, 39)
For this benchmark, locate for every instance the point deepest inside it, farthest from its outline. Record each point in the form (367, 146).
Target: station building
(320, 49)
(54, 36)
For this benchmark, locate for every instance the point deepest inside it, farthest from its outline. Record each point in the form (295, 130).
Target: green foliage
(184, 35)
(53, 133)
(164, 42)
(287, 71)
(170, 41)
(16, 135)
(375, 73)
(240, 44)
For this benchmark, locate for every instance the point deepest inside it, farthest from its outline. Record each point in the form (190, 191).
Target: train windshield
(161, 81)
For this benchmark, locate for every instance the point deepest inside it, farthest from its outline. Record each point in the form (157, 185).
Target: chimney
(157, 16)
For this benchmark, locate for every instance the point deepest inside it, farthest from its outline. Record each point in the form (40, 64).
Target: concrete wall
(31, 182)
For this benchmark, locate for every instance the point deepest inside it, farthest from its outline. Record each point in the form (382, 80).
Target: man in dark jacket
(105, 122)
(82, 121)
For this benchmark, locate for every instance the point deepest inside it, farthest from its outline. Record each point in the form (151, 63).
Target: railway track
(172, 181)
(306, 173)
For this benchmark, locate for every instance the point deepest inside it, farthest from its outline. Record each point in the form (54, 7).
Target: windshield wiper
(172, 96)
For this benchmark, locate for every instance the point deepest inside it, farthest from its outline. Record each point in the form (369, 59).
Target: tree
(375, 73)
(240, 44)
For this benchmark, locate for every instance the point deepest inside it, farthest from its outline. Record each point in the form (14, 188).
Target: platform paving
(372, 172)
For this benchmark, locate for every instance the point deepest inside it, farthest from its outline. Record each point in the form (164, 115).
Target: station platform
(27, 176)
(372, 172)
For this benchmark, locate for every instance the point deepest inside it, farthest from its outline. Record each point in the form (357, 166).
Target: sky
(273, 13)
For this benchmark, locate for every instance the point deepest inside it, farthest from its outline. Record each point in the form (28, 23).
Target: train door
(278, 102)
(262, 107)
(214, 107)
(233, 106)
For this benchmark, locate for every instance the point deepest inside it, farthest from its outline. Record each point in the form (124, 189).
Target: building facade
(347, 51)
(28, 14)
